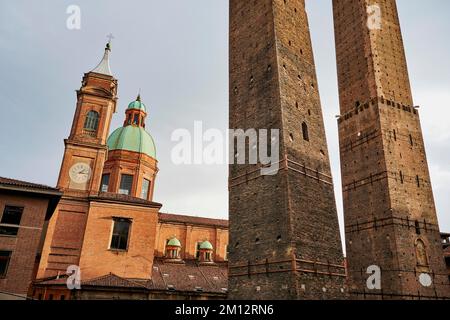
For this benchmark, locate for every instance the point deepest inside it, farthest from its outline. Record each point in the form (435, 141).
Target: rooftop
(176, 218)
(33, 189)
(187, 277)
(116, 197)
(190, 277)
(5, 182)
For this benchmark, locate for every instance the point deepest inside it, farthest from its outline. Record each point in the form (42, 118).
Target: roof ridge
(189, 216)
(171, 217)
(113, 275)
(11, 181)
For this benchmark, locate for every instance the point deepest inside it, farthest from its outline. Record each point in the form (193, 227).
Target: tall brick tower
(81, 169)
(285, 241)
(390, 216)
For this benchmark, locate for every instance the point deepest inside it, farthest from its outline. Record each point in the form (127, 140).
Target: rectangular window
(197, 253)
(11, 219)
(121, 230)
(145, 189)
(105, 183)
(417, 225)
(5, 256)
(126, 182)
(208, 256)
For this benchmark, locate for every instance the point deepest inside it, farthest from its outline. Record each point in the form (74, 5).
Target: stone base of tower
(290, 279)
(439, 292)
(406, 273)
(409, 288)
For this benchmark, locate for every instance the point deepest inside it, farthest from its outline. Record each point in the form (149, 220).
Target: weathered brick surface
(24, 246)
(65, 232)
(80, 231)
(388, 199)
(64, 238)
(139, 165)
(190, 234)
(292, 215)
(97, 259)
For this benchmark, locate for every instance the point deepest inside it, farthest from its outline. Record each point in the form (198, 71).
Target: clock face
(80, 173)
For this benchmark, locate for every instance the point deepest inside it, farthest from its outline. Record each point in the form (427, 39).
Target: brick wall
(388, 198)
(97, 259)
(275, 220)
(24, 246)
(189, 235)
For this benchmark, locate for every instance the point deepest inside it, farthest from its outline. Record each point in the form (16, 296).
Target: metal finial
(139, 96)
(108, 45)
(103, 67)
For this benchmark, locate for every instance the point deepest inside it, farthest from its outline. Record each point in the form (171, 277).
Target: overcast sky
(176, 51)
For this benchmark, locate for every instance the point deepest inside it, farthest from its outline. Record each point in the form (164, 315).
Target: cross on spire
(108, 45)
(139, 96)
(110, 37)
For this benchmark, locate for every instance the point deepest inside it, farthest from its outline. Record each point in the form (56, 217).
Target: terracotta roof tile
(124, 198)
(166, 217)
(57, 280)
(190, 277)
(185, 277)
(25, 184)
(113, 281)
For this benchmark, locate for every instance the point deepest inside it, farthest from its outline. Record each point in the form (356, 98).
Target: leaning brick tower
(285, 241)
(390, 215)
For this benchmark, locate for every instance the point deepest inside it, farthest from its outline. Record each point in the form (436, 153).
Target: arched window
(417, 225)
(421, 253)
(136, 119)
(208, 256)
(305, 131)
(91, 122)
(197, 250)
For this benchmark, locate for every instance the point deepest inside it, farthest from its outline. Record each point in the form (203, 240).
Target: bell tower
(85, 151)
(81, 169)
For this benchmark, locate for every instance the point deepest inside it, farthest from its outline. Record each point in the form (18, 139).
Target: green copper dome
(206, 245)
(137, 105)
(174, 242)
(132, 138)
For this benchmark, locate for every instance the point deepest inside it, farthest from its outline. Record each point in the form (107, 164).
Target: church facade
(107, 228)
